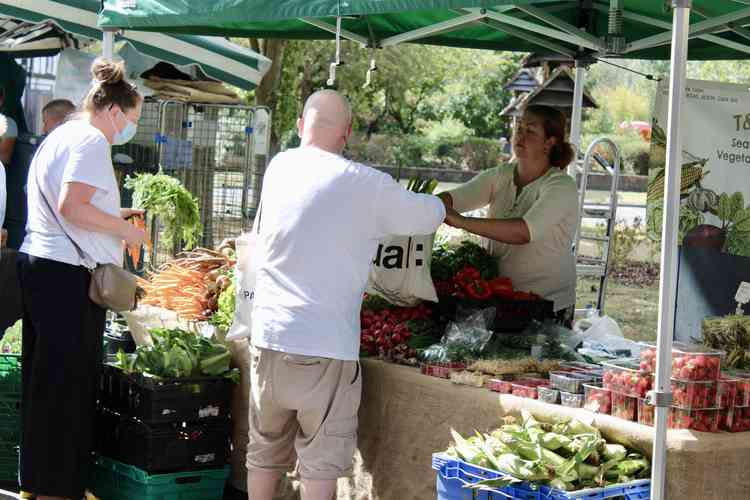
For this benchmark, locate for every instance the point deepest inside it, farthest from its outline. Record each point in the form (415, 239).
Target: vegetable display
(387, 330)
(224, 314)
(12, 339)
(163, 196)
(179, 354)
(568, 455)
(189, 285)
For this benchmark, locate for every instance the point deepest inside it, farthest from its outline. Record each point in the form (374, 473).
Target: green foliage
(163, 196)
(179, 354)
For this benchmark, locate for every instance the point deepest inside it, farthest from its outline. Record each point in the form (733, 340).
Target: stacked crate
(158, 437)
(10, 416)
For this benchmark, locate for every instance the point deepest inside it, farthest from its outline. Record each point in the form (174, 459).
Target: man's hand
(3, 238)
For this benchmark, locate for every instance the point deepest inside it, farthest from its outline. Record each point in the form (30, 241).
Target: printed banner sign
(715, 184)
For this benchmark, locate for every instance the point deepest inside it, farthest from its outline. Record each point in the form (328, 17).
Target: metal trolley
(219, 152)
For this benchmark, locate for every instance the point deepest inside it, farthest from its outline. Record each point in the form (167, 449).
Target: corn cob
(691, 175)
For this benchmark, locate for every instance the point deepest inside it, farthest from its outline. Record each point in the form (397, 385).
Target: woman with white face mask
(75, 223)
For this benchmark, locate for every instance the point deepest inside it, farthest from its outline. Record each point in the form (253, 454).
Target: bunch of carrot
(138, 221)
(189, 285)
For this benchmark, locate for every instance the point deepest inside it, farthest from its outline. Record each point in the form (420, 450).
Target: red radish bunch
(694, 395)
(735, 419)
(624, 407)
(598, 399)
(386, 331)
(626, 381)
(685, 365)
(645, 413)
(697, 420)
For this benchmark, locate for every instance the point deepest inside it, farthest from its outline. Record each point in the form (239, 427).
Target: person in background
(55, 113)
(319, 221)
(533, 211)
(8, 138)
(75, 223)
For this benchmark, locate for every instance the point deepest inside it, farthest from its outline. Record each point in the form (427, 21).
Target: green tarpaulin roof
(217, 57)
(717, 25)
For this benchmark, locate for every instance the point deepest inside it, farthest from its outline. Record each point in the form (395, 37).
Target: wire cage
(211, 149)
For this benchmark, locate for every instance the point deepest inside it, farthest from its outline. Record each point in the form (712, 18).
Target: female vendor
(533, 210)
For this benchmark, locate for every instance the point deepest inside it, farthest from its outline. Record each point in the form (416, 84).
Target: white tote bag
(244, 272)
(400, 272)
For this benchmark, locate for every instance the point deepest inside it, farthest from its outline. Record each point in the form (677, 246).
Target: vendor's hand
(3, 238)
(127, 213)
(134, 236)
(453, 218)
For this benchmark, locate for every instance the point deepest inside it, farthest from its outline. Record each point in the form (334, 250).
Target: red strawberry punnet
(689, 362)
(735, 419)
(626, 378)
(697, 420)
(646, 413)
(597, 399)
(624, 406)
(688, 394)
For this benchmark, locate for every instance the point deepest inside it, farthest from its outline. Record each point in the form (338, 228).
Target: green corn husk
(466, 450)
(553, 441)
(586, 471)
(561, 485)
(526, 470)
(614, 452)
(632, 466)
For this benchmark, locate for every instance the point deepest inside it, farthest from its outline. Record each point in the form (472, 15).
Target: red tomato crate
(441, 370)
(735, 419)
(689, 362)
(597, 399)
(625, 377)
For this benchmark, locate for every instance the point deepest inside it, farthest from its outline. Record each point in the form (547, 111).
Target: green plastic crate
(10, 375)
(117, 481)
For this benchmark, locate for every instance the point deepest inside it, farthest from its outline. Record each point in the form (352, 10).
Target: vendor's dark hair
(562, 152)
(110, 87)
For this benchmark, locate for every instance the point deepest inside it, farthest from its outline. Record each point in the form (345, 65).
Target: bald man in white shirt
(319, 223)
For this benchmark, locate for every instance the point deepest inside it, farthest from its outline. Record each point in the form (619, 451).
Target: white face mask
(126, 134)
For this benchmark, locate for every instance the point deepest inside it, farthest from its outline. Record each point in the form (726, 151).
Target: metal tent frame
(538, 25)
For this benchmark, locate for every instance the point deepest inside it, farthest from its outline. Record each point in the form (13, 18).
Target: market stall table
(406, 416)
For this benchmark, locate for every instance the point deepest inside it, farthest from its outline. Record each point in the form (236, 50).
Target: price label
(743, 293)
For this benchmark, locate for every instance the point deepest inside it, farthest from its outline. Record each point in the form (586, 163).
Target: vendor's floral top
(549, 205)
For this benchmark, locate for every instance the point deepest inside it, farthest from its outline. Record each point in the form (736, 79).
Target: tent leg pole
(575, 121)
(669, 249)
(108, 44)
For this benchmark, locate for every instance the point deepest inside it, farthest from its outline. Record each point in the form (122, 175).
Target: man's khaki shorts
(303, 409)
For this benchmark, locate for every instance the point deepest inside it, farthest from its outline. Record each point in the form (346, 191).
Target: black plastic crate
(162, 400)
(515, 315)
(162, 448)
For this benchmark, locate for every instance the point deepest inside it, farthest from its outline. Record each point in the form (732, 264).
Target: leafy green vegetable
(224, 316)
(446, 261)
(179, 354)
(12, 341)
(166, 198)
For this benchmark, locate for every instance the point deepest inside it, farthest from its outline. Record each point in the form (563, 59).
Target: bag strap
(81, 253)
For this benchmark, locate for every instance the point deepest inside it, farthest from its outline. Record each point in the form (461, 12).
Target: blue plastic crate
(454, 474)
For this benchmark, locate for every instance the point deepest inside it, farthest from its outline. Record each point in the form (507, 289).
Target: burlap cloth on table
(405, 417)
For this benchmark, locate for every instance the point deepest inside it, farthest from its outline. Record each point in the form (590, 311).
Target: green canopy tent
(583, 29)
(217, 57)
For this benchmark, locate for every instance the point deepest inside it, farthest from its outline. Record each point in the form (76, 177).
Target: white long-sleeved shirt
(321, 217)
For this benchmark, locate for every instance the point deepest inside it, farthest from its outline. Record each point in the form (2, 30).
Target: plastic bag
(604, 335)
(245, 287)
(555, 342)
(463, 339)
(400, 272)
